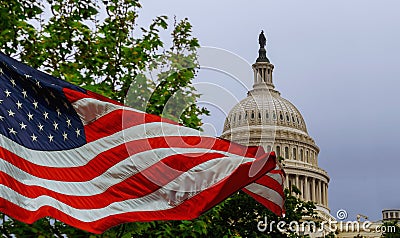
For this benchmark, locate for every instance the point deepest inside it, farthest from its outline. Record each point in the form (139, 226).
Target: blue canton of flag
(34, 111)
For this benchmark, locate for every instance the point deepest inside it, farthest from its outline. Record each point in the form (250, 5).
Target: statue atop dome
(262, 52)
(262, 40)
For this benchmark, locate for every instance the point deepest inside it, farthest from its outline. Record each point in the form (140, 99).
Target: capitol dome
(264, 118)
(267, 108)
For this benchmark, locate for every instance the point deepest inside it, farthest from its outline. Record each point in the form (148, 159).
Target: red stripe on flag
(74, 96)
(96, 129)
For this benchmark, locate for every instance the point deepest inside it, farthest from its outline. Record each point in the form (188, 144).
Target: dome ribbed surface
(263, 108)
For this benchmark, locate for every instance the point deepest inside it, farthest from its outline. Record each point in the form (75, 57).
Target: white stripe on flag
(276, 177)
(90, 109)
(150, 202)
(266, 193)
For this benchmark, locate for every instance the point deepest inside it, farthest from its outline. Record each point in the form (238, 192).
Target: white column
(287, 181)
(306, 191)
(316, 191)
(313, 190)
(320, 191)
(262, 74)
(302, 188)
(326, 192)
(270, 74)
(265, 75)
(297, 183)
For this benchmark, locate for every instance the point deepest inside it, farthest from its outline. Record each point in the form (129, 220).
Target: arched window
(259, 115)
(245, 116)
(268, 148)
(312, 157)
(278, 151)
(267, 115)
(274, 115)
(287, 118)
(301, 155)
(281, 116)
(307, 158)
(294, 153)
(252, 114)
(286, 152)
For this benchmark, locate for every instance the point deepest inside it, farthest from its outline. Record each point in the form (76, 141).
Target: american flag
(93, 163)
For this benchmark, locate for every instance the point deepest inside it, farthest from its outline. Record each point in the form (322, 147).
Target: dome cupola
(263, 104)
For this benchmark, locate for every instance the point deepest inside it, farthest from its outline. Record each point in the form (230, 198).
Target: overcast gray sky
(338, 63)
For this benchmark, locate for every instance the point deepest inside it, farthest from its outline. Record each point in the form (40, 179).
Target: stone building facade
(267, 119)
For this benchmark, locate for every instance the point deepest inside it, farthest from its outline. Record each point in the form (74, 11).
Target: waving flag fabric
(268, 190)
(93, 163)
